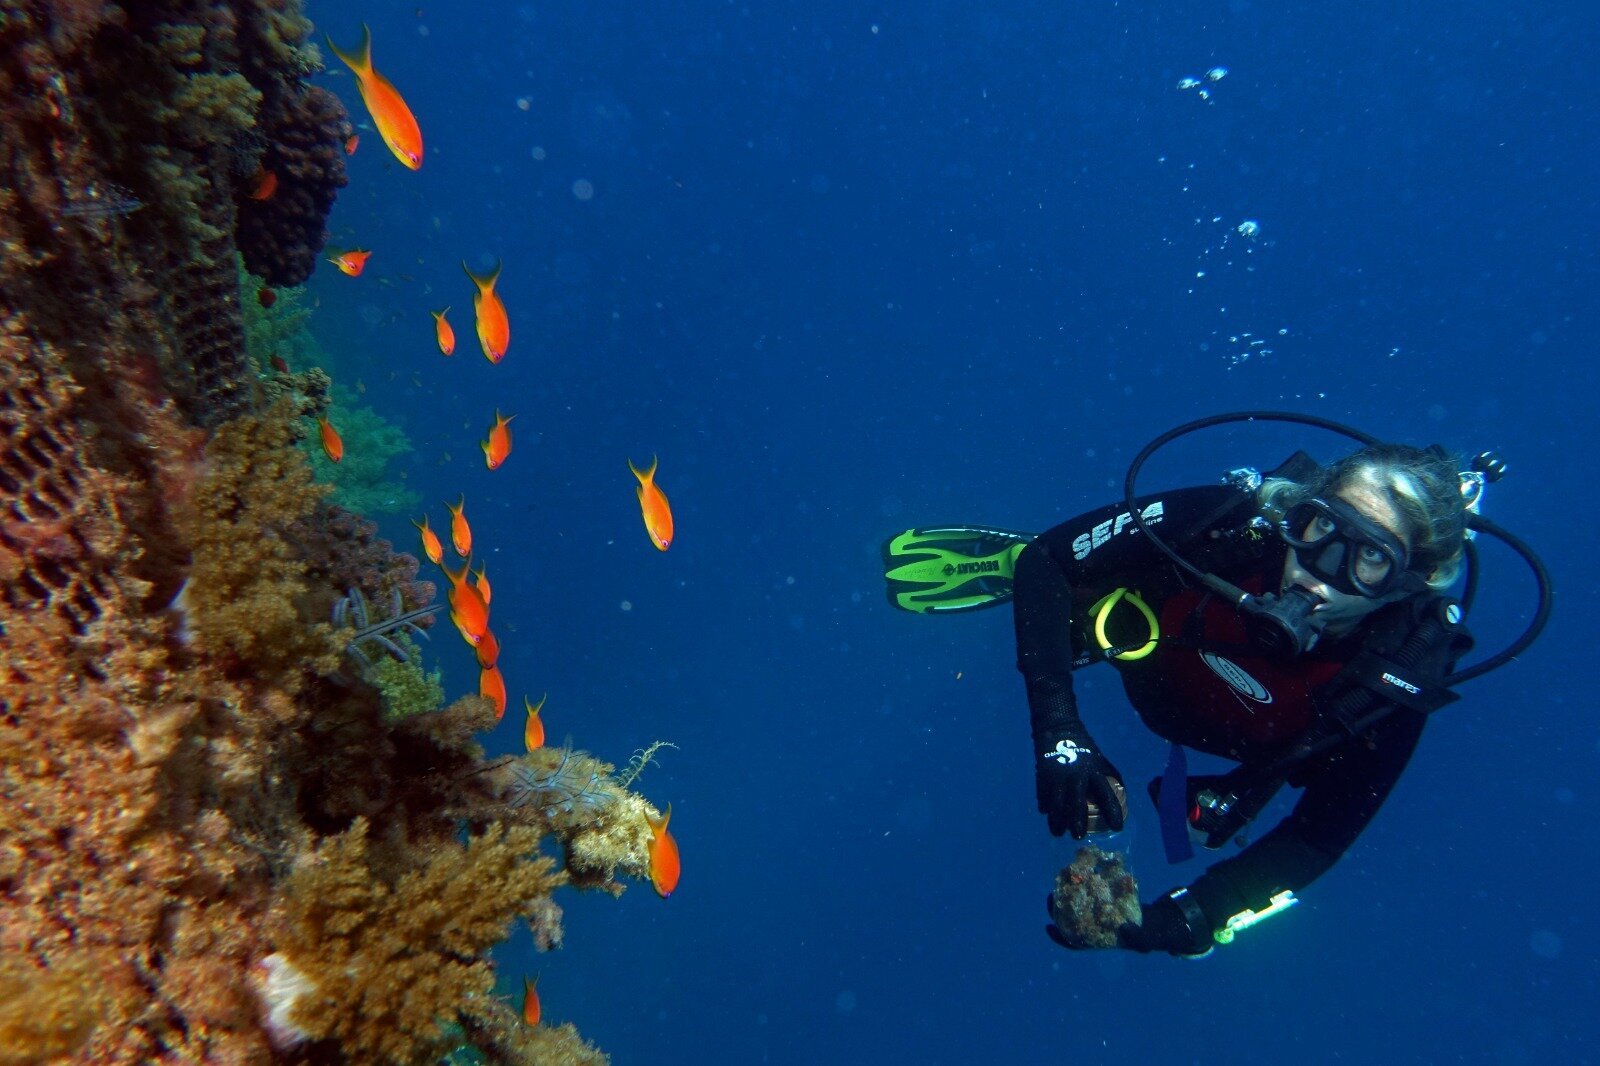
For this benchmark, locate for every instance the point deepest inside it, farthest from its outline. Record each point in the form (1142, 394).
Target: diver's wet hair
(1424, 485)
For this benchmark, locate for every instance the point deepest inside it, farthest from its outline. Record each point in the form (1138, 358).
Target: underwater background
(850, 269)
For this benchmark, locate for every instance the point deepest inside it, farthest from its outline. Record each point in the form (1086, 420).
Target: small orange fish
(494, 329)
(266, 297)
(351, 142)
(430, 542)
(492, 687)
(530, 1001)
(278, 364)
(664, 867)
(480, 581)
(533, 732)
(266, 185)
(498, 446)
(352, 262)
(331, 442)
(488, 650)
(467, 609)
(460, 532)
(443, 333)
(394, 120)
(653, 505)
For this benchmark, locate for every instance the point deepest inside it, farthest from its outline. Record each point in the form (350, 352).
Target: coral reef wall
(215, 845)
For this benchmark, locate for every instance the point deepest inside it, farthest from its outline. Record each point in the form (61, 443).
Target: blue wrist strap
(1171, 807)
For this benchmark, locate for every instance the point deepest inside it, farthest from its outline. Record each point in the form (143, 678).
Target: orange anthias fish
(443, 333)
(492, 687)
(266, 185)
(351, 142)
(533, 732)
(467, 609)
(352, 262)
(653, 505)
(460, 532)
(480, 581)
(332, 444)
(664, 867)
(530, 1001)
(494, 329)
(266, 297)
(488, 650)
(498, 446)
(396, 125)
(430, 542)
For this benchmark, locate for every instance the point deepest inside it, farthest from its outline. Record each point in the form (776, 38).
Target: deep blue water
(851, 269)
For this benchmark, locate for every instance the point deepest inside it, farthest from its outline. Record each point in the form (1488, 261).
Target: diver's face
(1339, 612)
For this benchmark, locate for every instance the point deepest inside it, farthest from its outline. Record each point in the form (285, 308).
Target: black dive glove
(1078, 789)
(1070, 777)
(1164, 925)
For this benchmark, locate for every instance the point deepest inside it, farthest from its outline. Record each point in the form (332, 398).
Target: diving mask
(1346, 549)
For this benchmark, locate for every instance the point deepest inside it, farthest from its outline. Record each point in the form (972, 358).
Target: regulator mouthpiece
(1282, 625)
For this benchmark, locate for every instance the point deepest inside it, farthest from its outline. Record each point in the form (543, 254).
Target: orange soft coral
(247, 582)
(383, 969)
(113, 866)
(46, 1012)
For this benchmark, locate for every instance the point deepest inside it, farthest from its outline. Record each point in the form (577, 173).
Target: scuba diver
(1296, 623)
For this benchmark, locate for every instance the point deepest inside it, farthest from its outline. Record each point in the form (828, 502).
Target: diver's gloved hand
(1165, 927)
(1071, 774)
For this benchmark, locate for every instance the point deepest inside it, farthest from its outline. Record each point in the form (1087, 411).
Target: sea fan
(352, 609)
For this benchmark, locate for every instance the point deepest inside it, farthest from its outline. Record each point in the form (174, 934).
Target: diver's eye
(1319, 528)
(1372, 565)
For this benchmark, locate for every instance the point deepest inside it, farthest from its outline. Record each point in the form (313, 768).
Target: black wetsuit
(1203, 686)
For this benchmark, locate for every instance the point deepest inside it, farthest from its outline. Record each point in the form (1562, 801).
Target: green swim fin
(946, 569)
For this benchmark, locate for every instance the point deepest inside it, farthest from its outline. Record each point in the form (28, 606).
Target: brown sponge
(280, 237)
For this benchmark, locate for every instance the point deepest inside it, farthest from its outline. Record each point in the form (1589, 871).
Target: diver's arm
(1085, 552)
(1070, 773)
(1339, 802)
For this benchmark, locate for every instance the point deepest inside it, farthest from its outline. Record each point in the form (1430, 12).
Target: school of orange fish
(469, 592)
